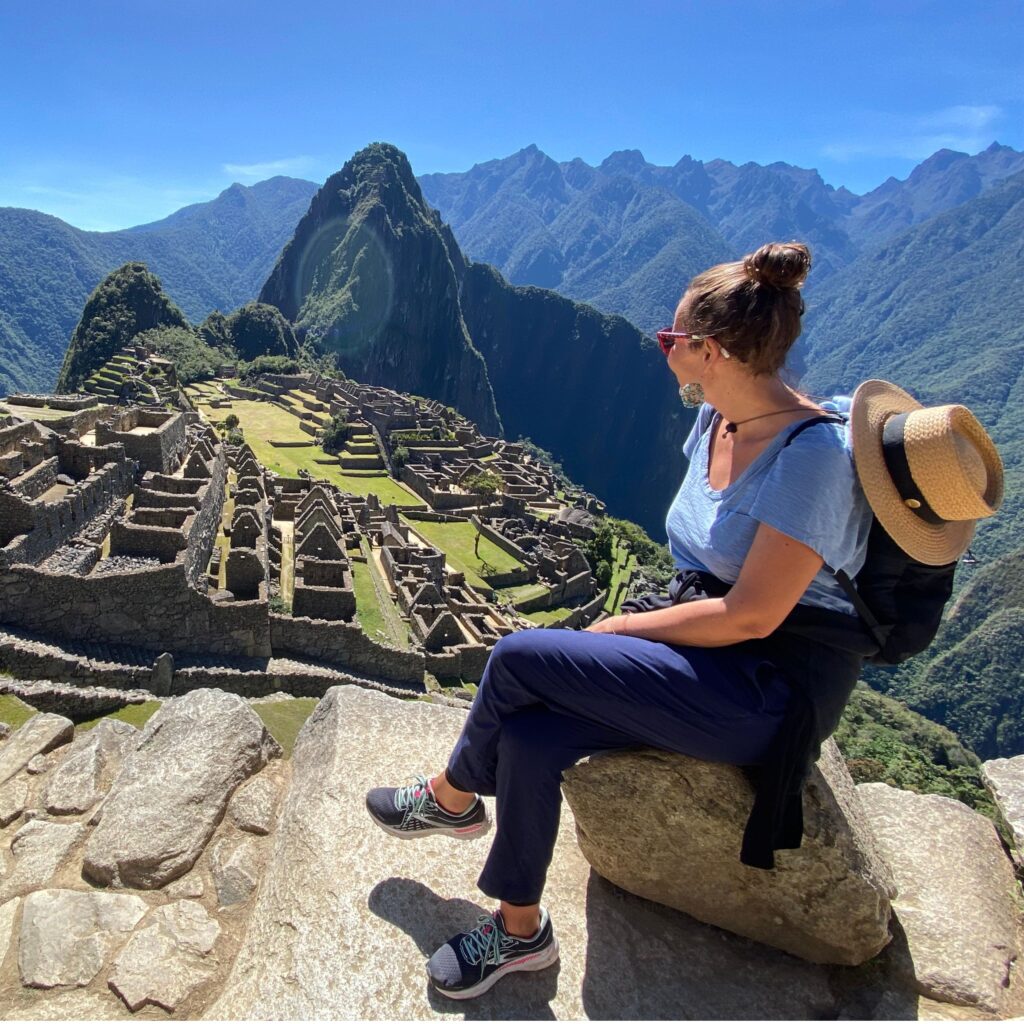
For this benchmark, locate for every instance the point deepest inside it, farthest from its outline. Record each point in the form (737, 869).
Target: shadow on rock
(430, 921)
(649, 962)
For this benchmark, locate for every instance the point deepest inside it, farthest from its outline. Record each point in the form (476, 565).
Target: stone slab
(1004, 776)
(67, 937)
(345, 918)
(8, 911)
(957, 895)
(39, 735)
(39, 849)
(88, 768)
(13, 797)
(253, 805)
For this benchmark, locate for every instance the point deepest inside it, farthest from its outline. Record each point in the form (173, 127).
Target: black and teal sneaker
(411, 811)
(469, 964)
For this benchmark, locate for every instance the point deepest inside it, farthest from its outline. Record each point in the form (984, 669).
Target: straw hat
(928, 473)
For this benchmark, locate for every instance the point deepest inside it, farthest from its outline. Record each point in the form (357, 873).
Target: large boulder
(957, 895)
(1004, 776)
(40, 734)
(668, 827)
(174, 787)
(345, 917)
(39, 849)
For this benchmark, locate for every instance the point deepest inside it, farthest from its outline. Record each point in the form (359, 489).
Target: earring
(692, 395)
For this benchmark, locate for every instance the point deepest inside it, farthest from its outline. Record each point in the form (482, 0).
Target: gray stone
(8, 911)
(236, 870)
(166, 961)
(39, 849)
(330, 877)
(174, 788)
(252, 806)
(67, 937)
(40, 734)
(5, 730)
(1004, 776)
(162, 676)
(189, 886)
(956, 894)
(668, 828)
(37, 765)
(89, 767)
(13, 797)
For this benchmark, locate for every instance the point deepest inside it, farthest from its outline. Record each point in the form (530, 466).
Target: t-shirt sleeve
(812, 494)
(704, 416)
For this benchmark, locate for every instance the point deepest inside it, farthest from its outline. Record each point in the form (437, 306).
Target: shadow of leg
(430, 921)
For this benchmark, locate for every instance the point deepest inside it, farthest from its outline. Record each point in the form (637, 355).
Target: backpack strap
(865, 613)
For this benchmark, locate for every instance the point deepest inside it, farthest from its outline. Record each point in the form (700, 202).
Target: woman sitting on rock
(764, 507)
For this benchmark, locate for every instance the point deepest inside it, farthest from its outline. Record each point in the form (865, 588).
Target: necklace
(731, 427)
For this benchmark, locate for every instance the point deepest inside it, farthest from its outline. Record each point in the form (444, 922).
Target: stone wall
(344, 644)
(159, 451)
(151, 608)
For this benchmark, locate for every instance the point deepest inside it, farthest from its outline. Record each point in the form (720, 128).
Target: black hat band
(895, 454)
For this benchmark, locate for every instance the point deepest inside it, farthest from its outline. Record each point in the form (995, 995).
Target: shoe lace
(414, 798)
(486, 942)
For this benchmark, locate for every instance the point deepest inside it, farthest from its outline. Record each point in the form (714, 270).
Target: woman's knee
(518, 655)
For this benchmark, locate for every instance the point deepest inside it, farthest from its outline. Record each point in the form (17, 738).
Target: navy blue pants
(549, 697)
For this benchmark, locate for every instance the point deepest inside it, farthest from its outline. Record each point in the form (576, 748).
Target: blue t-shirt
(808, 491)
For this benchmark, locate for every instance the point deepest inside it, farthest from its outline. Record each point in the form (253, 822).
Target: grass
(622, 570)
(263, 422)
(135, 714)
(285, 718)
(548, 616)
(526, 592)
(375, 616)
(13, 711)
(457, 541)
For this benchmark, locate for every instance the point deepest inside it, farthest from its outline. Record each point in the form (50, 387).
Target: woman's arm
(775, 574)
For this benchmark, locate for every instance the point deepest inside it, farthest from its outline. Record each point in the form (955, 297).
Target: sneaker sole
(481, 828)
(531, 962)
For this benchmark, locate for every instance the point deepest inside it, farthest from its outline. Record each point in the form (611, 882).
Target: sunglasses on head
(667, 338)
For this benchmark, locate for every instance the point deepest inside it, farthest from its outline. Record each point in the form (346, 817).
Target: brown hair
(753, 306)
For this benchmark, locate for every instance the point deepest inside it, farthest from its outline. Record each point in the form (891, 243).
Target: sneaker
(411, 811)
(469, 964)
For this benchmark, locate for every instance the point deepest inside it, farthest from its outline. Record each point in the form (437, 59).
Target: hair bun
(779, 264)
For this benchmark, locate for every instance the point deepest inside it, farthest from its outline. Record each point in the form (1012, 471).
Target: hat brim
(931, 543)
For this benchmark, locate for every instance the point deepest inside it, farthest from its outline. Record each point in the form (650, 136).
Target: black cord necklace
(731, 427)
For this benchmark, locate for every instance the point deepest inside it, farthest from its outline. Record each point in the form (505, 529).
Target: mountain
(627, 235)
(373, 276)
(209, 256)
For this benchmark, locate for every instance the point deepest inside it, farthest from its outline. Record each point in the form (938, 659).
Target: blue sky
(116, 113)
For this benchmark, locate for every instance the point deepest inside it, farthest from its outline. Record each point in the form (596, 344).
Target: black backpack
(898, 598)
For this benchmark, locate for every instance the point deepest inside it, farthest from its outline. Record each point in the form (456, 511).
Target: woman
(715, 678)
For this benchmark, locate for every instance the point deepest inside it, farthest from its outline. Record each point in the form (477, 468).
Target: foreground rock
(1004, 776)
(89, 767)
(174, 788)
(39, 849)
(13, 796)
(344, 918)
(67, 937)
(167, 960)
(668, 828)
(39, 735)
(956, 894)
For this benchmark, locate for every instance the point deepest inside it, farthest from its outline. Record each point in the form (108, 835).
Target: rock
(89, 767)
(39, 848)
(956, 894)
(165, 961)
(1004, 776)
(174, 787)
(189, 886)
(252, 806)
(13, 797)
(8, 911)
(330, 877)
(162, 676)
(668, 828)
(67, 937)
(37, 765)
(5, 730)
(236, 870)
(39, 735)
